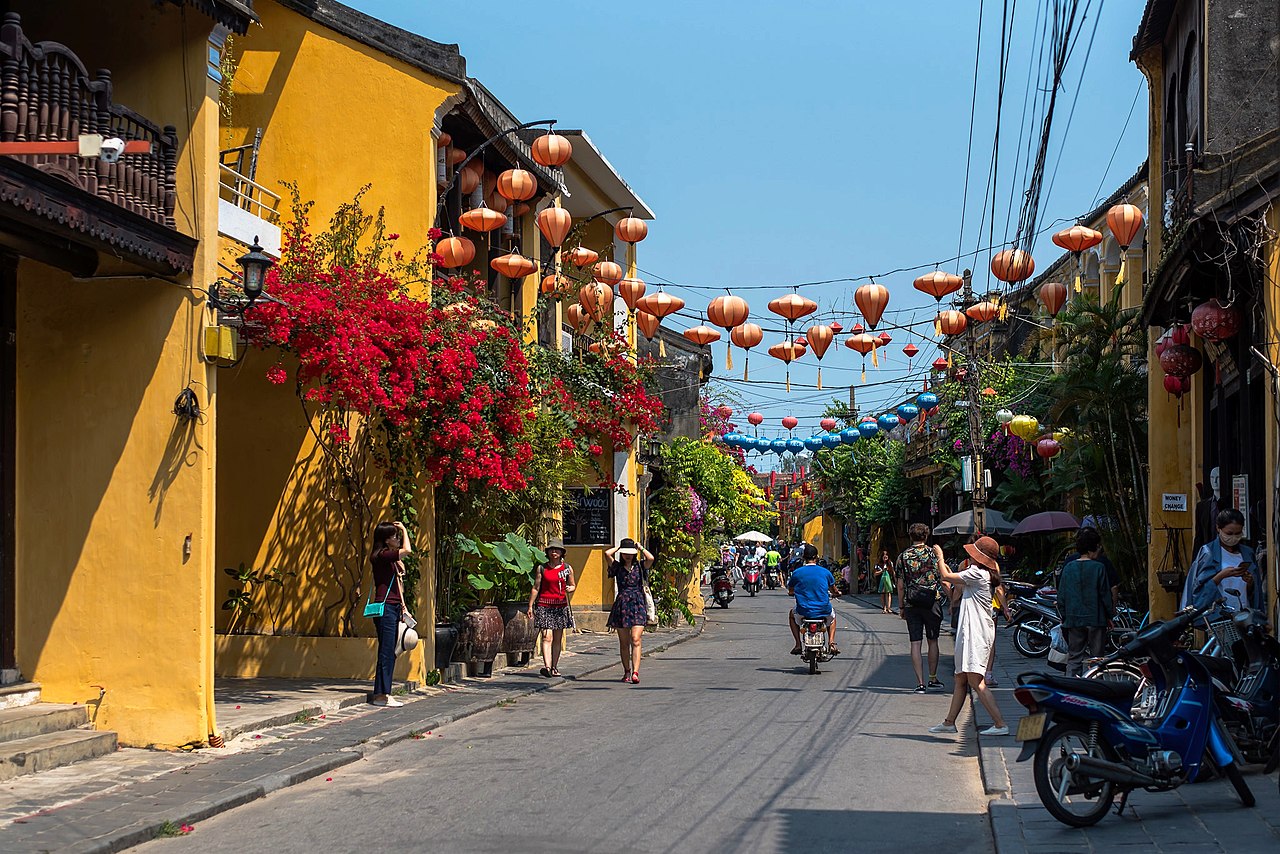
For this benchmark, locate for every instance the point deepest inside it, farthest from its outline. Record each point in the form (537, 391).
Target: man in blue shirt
(813, 587)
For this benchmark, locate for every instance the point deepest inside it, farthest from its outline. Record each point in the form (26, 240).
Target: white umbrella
(962, 523)
(755, 537)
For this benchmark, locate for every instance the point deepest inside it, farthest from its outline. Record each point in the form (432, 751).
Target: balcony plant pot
(482, 636)
(518, 633)
(446, 642)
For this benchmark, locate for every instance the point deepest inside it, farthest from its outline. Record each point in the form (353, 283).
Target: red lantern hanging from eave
(982, 312)
(724, 412)
(1124, 220)
(951, 322)
(513, 265)
(659, 304)
(455, 252)
(581, 256)
(872, 300)
(790, 422)
(1214, 321)
(631, 290)
(702, 335)
(631, 229)
(1013, 265)
(518, 185)
(1053, 295)
(551, 149)
(1077, 238)
(938, 284)
(555, 224)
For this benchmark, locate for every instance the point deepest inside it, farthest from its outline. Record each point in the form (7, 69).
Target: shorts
(924, 622)
(799, 620)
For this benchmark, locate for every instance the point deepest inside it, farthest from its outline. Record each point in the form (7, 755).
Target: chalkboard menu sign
(588, 517)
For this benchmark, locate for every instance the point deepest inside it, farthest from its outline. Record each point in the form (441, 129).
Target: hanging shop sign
(1173, 503)
(588, 517)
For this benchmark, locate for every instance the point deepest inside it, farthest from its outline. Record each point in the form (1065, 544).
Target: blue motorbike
(1089, 749)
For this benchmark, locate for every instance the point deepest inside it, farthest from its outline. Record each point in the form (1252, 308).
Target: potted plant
(499, 571)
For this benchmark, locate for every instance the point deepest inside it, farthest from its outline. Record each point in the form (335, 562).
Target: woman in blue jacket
(1224, 569)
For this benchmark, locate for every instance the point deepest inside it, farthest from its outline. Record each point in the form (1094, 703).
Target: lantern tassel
(937, 328)
(662, 348)
(1079, 288)
(728, 358)
(746, 368)
(788, 381)
(819, 377)
(864, 369)
(875, 358)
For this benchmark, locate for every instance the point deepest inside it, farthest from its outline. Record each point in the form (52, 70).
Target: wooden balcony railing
(46, 94)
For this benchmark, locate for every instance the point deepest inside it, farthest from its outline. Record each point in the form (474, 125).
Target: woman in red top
(390, 545)
(549, 606)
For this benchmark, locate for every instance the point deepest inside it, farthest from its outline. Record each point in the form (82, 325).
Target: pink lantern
(790, 422)
(827, 424)
(756, 419)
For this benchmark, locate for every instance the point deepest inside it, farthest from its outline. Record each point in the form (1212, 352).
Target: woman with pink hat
(975, 632)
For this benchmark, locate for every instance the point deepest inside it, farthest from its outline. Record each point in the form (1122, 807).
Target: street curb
(206, 808)
(1006, 831)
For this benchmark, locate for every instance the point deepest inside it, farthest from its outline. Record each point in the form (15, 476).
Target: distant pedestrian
(390, 545)
(629, 565)
(920, 601)
(1084, 600)
(884, 581)
(975, 633)
(549, 607)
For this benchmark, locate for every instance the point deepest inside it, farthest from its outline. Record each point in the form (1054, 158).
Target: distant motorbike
(1033, 619)
(771, 578)
(814, 646)
(751, 580)
(722, 589)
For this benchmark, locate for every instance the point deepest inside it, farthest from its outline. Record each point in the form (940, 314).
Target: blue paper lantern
(813, 443)
(887, 421)
(867, 429)
(849, 435)
(908, 412)
(747, 443)
(795, 446)
(832, 440)
(927, 401)
(778, 446)
(734, 440)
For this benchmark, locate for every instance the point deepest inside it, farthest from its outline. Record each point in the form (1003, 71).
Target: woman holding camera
(390, 545)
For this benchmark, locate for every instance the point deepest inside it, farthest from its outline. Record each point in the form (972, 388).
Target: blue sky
(787, 143)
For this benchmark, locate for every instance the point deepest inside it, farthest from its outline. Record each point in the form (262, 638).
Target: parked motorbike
(1089, 749)
(722, 589)
(751, 581)
(1033, 619)
(814, 646)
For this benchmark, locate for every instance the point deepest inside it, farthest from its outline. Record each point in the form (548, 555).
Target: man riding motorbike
(813, 587)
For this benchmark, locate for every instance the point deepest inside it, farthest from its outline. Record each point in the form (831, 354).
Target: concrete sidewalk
(127, 798)
(1204, 817)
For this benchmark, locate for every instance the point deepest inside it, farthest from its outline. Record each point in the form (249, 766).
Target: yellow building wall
(1272, 329)
(115, 522)
(812, 531)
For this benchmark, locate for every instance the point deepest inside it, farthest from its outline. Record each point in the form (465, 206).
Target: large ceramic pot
(482, 635)
(446, 642)
(518, 633)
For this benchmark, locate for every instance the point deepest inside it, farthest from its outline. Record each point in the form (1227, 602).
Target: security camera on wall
(111, 149)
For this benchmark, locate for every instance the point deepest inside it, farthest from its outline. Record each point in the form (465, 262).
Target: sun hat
(985, 551)
(406, 639)
(628, 546)
(558, 545)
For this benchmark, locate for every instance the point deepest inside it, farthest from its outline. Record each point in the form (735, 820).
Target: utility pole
(852, 524)
(975, 410)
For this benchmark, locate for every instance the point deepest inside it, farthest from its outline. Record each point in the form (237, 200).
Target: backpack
(923, 595)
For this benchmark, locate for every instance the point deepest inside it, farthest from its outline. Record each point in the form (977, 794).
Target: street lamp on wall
(650, 452)
(254, 266)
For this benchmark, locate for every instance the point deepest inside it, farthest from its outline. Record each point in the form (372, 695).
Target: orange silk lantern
(938, 284)
(648, 324)
(581, 256)
(982, 312)
(1077, 238)
(871, 300)
(631, 290)
(631, 229)
(468, 181)
(551, 149)
(787, 351)
(607, 272)
(819, 337)
(1013, 265)
(728, 311)
(513, 265)
(596, 300)
(555, 285)
(497, 201)
(864, 344)
(455, 252)
(746, 336)
(518, 185)
(1124, 220)
(659, 304)
(444, 140)
(702, 335)
(455, 155)
(482, 219)
(1053, 295)
(793, 306)
(951, 322)
(577, 319)
(555, 223)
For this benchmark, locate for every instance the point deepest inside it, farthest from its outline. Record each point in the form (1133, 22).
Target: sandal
(626, 677)
(544, 672)
(555, 672)
(635, 678)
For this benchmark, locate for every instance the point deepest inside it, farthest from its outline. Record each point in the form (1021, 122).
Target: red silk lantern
(911, 350)
(940, 364)
(631, 290)
(827, 424)
(1013, 265)
(455, 252)
(647, 324)
(787, 351)
(938, 284)
(1214, 321)
(1077, 238)
(1180, 360)
(728, 311)
(756, 419)
(793, 306)
(724, 412)
(631, 230)
(518, 185)
(596, 300)
(1179, 334)
(608, 272)
(1053, 295)
(555, 224)
(1124, 220)
(790, 422)
(581, 256)
(1175, 385)
(951, 322)
(857, 329)
(659, 304)
(884, 339)
(1047, 448)
(702, 335)
(982, 312)
(871, 300)
(482, 219)
(552, 150)
(513, 265)
(836, 326)
(497, 201)
(746, 336)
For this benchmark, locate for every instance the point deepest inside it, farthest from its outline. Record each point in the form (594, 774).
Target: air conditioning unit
(566, 341)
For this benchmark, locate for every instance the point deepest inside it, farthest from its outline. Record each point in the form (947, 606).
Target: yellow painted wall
(812, 531)
(109, 484)
(1272, 328)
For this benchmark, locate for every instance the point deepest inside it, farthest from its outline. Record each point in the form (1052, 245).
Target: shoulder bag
(651, 611)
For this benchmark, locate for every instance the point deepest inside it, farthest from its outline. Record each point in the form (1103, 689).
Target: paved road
(726, 745)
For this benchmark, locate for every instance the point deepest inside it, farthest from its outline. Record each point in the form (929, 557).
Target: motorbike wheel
(1237, 780)
(1078, 804)
(813, 665)
(1028, 644)
(753, 593)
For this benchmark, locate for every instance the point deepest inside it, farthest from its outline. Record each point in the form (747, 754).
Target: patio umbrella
(962, 523)
(1048, 522)
(755, 537)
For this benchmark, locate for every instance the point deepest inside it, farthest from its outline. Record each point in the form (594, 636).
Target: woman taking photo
(549, 607)
(884, 581)
(390, 544)
(629, 566)
(975, 632)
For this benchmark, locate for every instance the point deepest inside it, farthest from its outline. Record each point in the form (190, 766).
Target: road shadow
(882, 830)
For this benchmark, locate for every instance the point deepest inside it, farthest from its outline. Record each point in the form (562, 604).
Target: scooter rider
(813, 587)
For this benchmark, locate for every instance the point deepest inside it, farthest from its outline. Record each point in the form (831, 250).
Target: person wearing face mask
(1224, 569)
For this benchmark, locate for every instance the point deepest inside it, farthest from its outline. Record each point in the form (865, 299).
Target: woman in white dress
(975, 633)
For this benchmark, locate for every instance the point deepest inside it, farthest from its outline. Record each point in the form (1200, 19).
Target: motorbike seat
(1219, 668)
(1118, 691)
